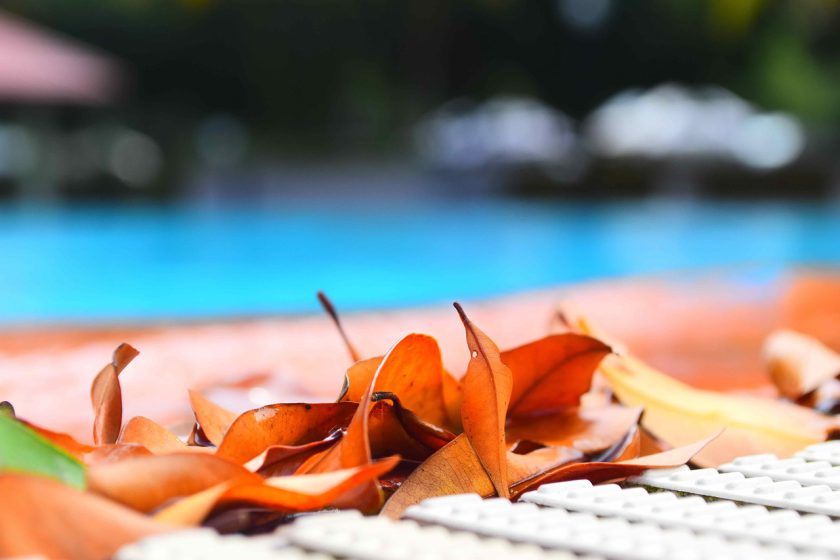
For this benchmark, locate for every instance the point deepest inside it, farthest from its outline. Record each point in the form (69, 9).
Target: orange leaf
(354, 448)
(486, 392)
(44, 517)
(282, 424)
(115, 452)
(310, 491)
(106, 396)
(588, 429)
(144, 483)
(414, 373)
(358, 378)
(213, 419)
(799, 364)
(151, 435)
(287, 493)
(603, 472)
(552, 372)
(395, 430)
(283, 460)
(456, 469)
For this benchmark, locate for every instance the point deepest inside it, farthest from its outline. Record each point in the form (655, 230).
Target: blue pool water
(113, 263)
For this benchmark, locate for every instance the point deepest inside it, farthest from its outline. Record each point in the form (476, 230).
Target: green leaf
(24, 450)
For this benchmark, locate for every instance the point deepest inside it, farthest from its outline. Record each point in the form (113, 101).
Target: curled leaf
(115, 452)
(587, 429)
(151, 435)
(44, 517)
(679, 414)
(144, 483)
(282, 424)
(213, 419)
(799, 364)
(106, 396)
(283, 460)
(389, 416)
(456, 469)
(486, 393)
(597, 472)
(286, 493)
(552, 372)
(414, 373)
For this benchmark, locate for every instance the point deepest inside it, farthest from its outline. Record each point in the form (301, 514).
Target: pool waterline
(106, 263)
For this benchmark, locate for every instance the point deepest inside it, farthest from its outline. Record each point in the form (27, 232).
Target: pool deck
(707, 330)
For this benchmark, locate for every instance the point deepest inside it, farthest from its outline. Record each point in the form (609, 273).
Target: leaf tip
(7, 409)
(329, 308)
(461, 313)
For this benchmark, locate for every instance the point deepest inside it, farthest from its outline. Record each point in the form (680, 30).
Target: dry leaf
(679, 414)
(589, 430)
(552, 372)
(456, 469)
(286, 493)
(353, 450)
(106, 396)
(414, 373)
(597, 472)
(799, 364)
(115, 452)
(44, 517)
(213, 419)
(152, 436)
(144, 483)
(486, 394)
(256, 430)
(282, 460)
(331, 311)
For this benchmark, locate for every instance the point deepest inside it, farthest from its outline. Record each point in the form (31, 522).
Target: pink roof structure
(39, 66)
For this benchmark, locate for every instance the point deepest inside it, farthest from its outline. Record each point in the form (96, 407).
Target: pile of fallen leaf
(402, 430)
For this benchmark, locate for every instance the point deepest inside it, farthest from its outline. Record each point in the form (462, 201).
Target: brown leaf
(414, 372)
(679, 414)
(587, 429)
(144, 483)
(106, 396)
(358, 378)
(799, 364)
(115, 452)
(353, 450)
(331, 311)
(213, 419)
(287, 493)
(284, 460)
(152, 436)
(282, 424)
(44, 517)
(552, 373)
(486, 392)
(602, 472)
(311, 491)
(395, 430)
(456, 469)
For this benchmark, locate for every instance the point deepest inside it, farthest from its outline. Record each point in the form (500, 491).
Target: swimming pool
(123, 262)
